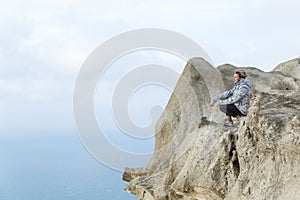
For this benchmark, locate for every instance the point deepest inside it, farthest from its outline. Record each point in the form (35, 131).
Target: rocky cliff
(197, 158)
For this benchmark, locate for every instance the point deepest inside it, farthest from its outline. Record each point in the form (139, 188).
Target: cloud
(44, 43)
(141, 99)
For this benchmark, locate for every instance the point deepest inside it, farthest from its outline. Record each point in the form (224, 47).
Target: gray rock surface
(290, 68)
(197, 158)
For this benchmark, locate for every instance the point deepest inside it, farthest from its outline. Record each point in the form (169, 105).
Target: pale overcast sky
(44, 44)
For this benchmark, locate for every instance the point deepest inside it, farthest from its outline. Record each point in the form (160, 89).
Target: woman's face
(236, 78)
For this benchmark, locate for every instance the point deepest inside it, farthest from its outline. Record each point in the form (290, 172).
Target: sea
(55, 168)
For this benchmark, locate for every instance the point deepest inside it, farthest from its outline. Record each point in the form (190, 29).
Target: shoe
(228, 123)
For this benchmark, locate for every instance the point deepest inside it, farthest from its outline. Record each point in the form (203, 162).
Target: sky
(45, 43)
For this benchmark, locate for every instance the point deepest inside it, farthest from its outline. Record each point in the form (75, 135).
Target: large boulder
(196, 157)
(290, 68)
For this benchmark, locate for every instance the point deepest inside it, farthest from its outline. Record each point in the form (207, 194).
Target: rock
(196, 157)
(290, 68)
(130, 174)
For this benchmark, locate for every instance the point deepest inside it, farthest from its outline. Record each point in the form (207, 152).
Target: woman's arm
(223, 95)
(237, 96)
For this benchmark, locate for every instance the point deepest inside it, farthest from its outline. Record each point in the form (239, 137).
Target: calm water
(55, 168)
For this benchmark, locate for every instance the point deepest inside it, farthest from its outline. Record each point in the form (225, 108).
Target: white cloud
(140, 100)
(44, 43)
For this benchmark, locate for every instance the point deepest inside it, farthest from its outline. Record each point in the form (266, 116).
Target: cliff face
(196, 157)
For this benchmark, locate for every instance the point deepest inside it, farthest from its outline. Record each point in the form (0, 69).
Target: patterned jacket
(238, 95)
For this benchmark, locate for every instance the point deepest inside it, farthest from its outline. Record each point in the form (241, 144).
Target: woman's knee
(223, 108)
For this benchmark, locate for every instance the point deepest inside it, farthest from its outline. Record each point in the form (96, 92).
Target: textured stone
(290, 68)
(196, 157)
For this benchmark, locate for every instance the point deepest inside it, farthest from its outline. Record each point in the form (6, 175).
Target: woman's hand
(212, 104)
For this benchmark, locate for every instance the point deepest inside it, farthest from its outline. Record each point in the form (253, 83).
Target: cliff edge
(197, 158)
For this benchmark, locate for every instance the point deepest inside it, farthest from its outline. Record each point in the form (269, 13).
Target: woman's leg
(223, 108)
(230, 110)
(228, 118)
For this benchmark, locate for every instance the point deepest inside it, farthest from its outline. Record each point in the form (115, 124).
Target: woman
(235, 102)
